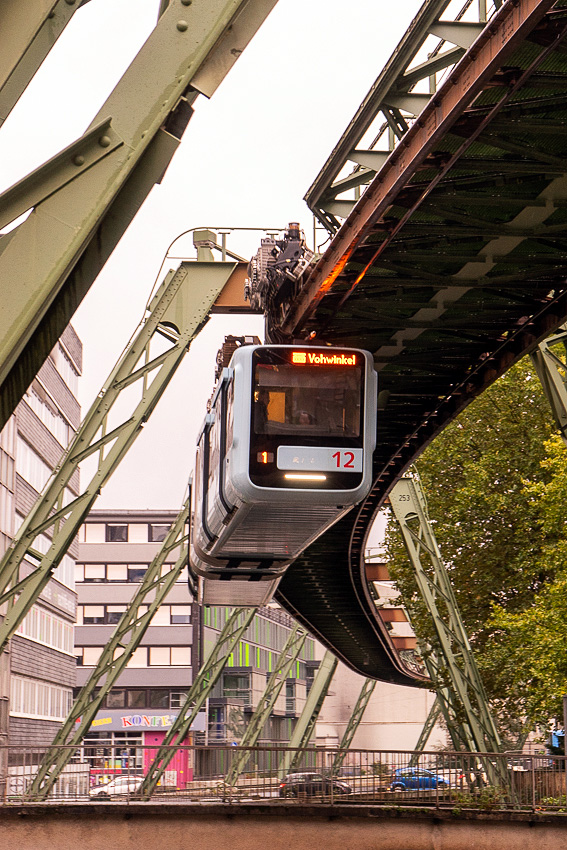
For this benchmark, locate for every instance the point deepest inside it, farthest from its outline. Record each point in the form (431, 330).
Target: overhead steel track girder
(176, 314)
(305, 725)
(125, 639)
(29, 31)
(440, 332)
(277, 680)
(234, 629)
(509, 28)
(394, 88)
(85, 197)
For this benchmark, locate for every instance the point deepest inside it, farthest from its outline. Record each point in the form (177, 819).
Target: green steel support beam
(551, 371)
(115, 656)
(84, 199)
(354, 722)
(305, 725)
(460, 733)
(284, 664)
(183, 301)
(428, 726)
(29, 31)
(452, 662)
(234, 629)
(449, 706)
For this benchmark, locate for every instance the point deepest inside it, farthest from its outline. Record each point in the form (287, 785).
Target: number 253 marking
(345, 460)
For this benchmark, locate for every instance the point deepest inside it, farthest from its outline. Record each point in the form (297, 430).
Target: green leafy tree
(531, 645)
(484, 478)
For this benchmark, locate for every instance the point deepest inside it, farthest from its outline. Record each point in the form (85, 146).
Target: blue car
(415, 778)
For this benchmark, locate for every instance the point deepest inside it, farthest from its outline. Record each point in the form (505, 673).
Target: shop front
(126, 743)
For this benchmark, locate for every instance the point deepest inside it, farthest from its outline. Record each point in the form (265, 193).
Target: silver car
(120, 786)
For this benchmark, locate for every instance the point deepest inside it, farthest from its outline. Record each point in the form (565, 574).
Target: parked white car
(120, 786)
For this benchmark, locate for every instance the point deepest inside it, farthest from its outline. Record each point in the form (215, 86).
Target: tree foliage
(532, 643)
(493, 481)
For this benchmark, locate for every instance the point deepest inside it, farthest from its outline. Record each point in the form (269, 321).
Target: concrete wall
(246, 827)
(393, 719)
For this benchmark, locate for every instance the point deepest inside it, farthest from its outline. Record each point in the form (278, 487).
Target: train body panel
(284, 453)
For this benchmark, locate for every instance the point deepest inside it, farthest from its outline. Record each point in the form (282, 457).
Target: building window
(116, 533)
(48, 629)
(114, 614)
(66, 369)
(30, 466)
(110, 615)
(156, 698)
(180, 656)
(177, 699)
(157, 532)
(159, 656)
(46, 410)
(159, 699)
(65, 571)
(161, 616)
(236, 686)
(136, 699)
(180, 615)
(95, 572)
(111, 572)
(93, 532)
(117, 572)
(139, 657)
(116, 699)
(88, 656)
(32, 698)
(170, 656)
(93, 615)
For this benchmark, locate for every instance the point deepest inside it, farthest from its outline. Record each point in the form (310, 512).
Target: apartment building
(115, 549)
(37, 673)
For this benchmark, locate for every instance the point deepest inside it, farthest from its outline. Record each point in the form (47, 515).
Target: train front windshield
(310, 400)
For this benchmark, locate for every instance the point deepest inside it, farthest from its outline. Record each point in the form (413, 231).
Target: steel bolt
(79, 159)
(182, 26)
(104, 141)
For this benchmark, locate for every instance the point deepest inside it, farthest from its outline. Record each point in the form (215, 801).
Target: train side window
(214, 448)
(229, 415)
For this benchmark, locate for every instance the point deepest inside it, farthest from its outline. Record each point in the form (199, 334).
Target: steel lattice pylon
(354, 722)
(552, 373)
(127, 635)
(305, 726)
(283, 666)
(176, 314)
(450, 663)
(85, 197)
(234, 629)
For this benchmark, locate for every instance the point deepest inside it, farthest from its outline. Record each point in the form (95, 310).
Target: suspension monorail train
(285, 451)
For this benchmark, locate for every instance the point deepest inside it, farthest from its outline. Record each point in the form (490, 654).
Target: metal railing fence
(106, 771)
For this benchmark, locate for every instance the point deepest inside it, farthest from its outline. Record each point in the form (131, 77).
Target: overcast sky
(247, 158)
